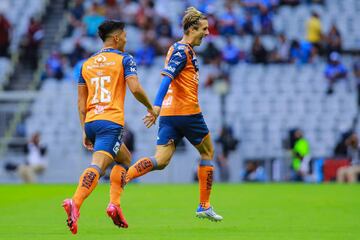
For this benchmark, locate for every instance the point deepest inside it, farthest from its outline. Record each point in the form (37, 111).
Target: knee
(162, 162)
(208, 154)
(126, 159)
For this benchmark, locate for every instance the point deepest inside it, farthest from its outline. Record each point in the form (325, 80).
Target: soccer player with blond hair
(180, 114)
(101, 95)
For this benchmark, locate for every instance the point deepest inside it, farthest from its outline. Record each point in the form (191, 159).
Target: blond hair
(192, 18)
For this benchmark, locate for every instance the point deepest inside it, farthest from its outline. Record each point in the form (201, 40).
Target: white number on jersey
(105, 94)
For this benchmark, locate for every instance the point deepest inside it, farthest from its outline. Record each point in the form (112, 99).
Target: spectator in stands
(281, 53)
(112, 10)
(301, 53)
(335, 71)
(271, 5)
(129, 10)
(265, 21)
(341, 148)
(219, 79)
(300, 149)
(295, 52)
(77, 54)
(75, 16)
(314, 31)
(254, 172)
(164, 33)
(146, 12)
(349, 147)
(212, 21)
(163, 28)
(226, 143)
(32, 42)
(54, 66)
(78, 66)
(247, 25)
(333, 40)
(230, 52)
(211, 53)
(290, 2)
(5, 30)
(93, 19)
(35, 163)
(228, 21)
(356, 69)
(250, 6)
(258, 51)
(145, 55)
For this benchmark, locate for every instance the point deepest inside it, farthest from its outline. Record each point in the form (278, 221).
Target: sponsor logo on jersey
(100, 59)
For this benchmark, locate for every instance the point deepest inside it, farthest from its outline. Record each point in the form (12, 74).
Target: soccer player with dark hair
(180, 114)
(101, 94)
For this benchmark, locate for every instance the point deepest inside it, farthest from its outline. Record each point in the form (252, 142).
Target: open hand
(150, 118)
(87, 143)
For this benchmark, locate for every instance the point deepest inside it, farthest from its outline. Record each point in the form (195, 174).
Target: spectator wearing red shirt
(5, 28)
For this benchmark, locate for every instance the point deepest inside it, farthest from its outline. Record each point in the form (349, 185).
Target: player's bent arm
(82, 98)
(138, 92)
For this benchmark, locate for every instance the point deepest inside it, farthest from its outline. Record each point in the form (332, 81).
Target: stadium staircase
(24, 82)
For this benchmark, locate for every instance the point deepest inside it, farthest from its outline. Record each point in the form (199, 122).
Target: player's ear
(116, 37)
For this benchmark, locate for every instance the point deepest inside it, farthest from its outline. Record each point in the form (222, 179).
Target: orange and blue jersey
(104, 75)
(182, 96)
(180, 114)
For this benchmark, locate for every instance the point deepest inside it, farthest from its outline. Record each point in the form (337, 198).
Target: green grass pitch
(250, 211)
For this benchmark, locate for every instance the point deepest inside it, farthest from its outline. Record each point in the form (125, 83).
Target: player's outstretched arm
(140, 95)
(165, 83)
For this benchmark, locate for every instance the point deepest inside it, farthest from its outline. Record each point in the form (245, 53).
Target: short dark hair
(108, 27)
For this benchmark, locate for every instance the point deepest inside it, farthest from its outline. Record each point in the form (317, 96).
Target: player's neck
(109, 45)
(187, 40)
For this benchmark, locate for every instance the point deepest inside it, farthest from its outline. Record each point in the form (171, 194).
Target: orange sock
(87, 182)
(140, 168)
(205, 175)
(117, 183)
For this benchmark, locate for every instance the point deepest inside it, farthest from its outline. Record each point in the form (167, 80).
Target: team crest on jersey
(132, 63)
(100, 59)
